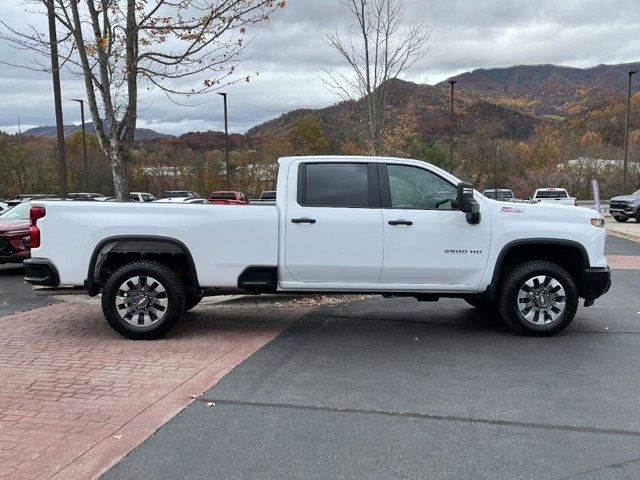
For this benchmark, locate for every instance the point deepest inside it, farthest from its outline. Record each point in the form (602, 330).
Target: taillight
(35, 214)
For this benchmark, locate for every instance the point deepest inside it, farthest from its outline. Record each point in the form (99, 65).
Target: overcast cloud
(288, 53)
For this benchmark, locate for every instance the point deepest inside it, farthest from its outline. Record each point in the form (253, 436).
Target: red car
(14, 234)
(228, 198)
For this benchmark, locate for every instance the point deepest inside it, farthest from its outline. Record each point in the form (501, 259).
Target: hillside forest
(520, 127)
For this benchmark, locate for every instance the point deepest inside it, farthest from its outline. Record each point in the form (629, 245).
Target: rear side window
(335, 185)
(552, 194)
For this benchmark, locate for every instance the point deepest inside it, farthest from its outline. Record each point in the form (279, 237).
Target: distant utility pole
(452, 83)
(495, 170)
(19, 131)
(227, 178)
(85, 165)
(55, 70)
(630, 73)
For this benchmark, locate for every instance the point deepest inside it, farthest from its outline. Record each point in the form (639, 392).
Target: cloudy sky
(289, 54)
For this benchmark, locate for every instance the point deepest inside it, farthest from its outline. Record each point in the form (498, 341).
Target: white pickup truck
(553, 195)
(390, 226)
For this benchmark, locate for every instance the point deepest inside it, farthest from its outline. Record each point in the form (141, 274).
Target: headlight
(597, 222)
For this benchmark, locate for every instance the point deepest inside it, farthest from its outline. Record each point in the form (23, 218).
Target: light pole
(57, 96)
(226, 144)
(85, 166)
(452, 83)
(630, 73)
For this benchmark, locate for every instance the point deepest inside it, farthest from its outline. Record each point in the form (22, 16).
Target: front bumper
(626, 211)
(40, 271)
(597, 282)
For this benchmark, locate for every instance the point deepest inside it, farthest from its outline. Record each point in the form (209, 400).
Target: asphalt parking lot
(400, 389)
(15, 295)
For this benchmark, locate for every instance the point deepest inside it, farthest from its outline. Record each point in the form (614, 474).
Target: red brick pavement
(624, 262)
(75, 396)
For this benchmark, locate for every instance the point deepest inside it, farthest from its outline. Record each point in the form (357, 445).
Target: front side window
(336, 185)
(416, 188)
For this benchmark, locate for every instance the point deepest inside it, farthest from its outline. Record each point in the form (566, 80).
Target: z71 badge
(511, 209)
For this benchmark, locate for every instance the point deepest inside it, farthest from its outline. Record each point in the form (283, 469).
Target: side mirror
(467, 204)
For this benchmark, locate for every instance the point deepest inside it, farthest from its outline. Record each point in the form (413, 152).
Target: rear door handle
(400, 222)
(303, 220)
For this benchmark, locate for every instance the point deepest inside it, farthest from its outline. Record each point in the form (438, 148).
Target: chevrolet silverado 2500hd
(340, 224)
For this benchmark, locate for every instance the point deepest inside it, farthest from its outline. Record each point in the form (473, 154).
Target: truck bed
(224, 239)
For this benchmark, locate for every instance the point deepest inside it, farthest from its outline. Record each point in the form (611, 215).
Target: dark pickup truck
(624, 207)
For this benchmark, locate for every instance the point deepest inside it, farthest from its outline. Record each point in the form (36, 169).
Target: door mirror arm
(467, 203)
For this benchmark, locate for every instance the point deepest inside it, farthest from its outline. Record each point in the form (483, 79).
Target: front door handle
(303, 220)
(400, 222)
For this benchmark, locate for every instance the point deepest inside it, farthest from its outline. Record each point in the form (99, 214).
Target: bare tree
(377, 48)
(182, 47)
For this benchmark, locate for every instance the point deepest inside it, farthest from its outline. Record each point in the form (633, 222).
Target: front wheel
(143, 300)
(620, 219)
(538, 298)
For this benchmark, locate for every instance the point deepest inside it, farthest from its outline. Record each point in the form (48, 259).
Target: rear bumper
(40, 271)
(597, 282)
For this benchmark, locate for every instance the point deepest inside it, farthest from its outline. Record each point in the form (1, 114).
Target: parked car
(184, 200)
(370, 225)
(228, 198)
(180, 194)
(624, 207)
(86, 196)
(141, 197)
(25, 197)
(553, 195)
(499, 194)
(14, 234)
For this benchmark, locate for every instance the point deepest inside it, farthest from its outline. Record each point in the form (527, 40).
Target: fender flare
(495, 278)
(92, 284)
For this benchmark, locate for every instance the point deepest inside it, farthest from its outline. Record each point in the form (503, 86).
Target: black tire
(620, 219)
(508, 298)
(638, 216)
(481, 304)
(192, 300)
(174, 294)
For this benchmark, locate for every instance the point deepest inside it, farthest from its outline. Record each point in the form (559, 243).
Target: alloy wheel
(141, 301)
(541, 300)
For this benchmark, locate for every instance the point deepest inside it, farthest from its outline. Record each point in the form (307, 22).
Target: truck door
(333, 224)
(427, 240)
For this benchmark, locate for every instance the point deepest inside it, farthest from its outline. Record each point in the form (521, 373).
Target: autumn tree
(377, 48)
(117, 47)
(307, 137)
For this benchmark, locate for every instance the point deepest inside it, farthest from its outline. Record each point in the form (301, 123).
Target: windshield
(223, 196)
(19, 212)
(636, 193)
(508, 194)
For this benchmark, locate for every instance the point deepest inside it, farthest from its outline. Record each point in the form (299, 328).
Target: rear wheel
(538, 298)
(143, 300)
(618, 218)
